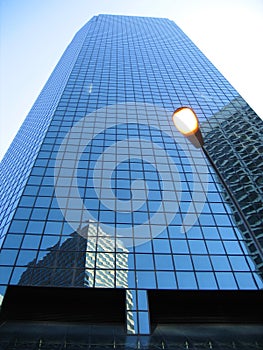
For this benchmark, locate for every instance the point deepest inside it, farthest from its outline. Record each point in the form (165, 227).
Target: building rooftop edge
(132, 16)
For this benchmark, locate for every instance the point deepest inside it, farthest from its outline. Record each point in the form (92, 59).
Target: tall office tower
(111, 217)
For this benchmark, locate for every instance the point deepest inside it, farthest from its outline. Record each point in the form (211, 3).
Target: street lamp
(186, 122)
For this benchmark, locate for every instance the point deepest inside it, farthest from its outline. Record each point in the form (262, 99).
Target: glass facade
(99, 189)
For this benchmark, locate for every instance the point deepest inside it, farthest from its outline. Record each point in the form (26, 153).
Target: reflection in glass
(107, 264)
(233, 138)
(95, 261)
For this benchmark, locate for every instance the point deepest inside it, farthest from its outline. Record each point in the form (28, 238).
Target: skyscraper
(100, 191)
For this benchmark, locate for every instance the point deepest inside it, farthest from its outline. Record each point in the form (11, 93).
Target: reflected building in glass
(99, 191)
(239, 135)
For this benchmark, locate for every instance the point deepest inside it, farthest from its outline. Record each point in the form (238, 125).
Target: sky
(35, 33)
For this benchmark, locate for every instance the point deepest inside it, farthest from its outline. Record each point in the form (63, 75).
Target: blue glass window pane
(25, 257)
(186, 280)
(18, 272)
(34, 180)
(206, 280)
(144, 247)
(18, 226)
(245, 280)
(139, 217)
(197, 247)
(131, 263)
(66, 229)
(123, 194)
(226, 280)
(107, 216)
(222, 220)
(144, 325)
(5, 274)
(182, 262)
(35, 227)
(166, 280)
(49, 241)
(195, 232)
(51, 261)
(27, 201)
(146, 279)
(227, 233)
(215, 247)
(220, 263)
(142, 300)
(55, 215)
(31, 242)
(43, 202)
(201, 262)
(131, 279)
(164, 234)
(206, 220)
(8, 256)
(163, 262)
(31, 190)
(39, 214)
(12, 241)
(239, 263)
(53, 228)
(161, 246)
(232, 247)
(46, 190)
(210, 232)
(22, 213)
(38, 171)
(144, 261)
(179, 246)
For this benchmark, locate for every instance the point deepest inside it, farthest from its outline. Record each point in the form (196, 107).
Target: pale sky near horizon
(34, 34)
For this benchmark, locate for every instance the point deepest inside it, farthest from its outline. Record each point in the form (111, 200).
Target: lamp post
(186, 122)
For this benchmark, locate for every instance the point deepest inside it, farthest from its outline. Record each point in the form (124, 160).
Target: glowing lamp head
(186, 122)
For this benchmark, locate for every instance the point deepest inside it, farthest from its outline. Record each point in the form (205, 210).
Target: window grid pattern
(125, 60)
(19, 159)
